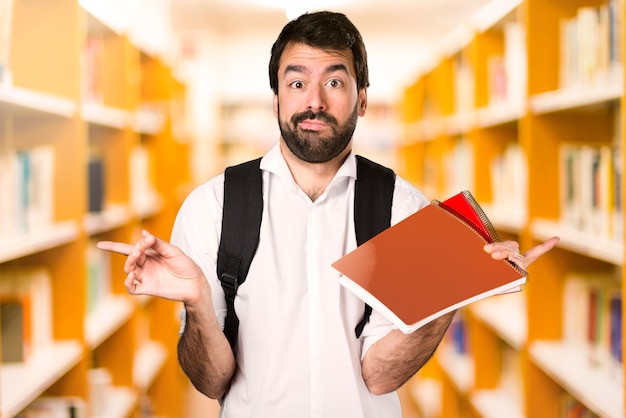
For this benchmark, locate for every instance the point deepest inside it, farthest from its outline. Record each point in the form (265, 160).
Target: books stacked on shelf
(96, 182)
(98, 276)
(459, 167)
(592, 319)
(5, 40)
(14, 323)
(26, 301)
(100, 385)
(515, 64)
(507, 73)
(143, 195)
(26, 189)
(55, 407)
(92, 61)
(457, 334)
(511, 378)
(463, 84)
(590, 50)
(591, 200)
(570, 407)
(107, 399)
(509, 184)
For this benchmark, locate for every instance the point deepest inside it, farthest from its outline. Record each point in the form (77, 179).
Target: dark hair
(324, 30)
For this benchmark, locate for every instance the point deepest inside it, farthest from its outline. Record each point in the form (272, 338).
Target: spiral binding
(486, 222)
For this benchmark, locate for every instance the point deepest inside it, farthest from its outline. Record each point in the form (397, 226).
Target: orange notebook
(429, 264)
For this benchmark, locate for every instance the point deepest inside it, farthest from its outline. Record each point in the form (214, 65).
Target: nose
(316, 98)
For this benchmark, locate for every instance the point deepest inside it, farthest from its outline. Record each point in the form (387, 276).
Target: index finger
(534, 253)
(117, 247)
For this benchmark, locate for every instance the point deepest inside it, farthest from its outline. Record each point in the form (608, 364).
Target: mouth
(312, 125)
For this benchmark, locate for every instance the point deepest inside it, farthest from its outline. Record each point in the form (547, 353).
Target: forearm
(392, 360)
(204, 353)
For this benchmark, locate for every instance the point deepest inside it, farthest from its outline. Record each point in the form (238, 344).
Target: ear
(275, 105)
(362, 101)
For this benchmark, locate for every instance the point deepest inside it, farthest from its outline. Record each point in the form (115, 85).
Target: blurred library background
(112, 111)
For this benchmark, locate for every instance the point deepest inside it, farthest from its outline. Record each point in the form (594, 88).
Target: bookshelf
(93, 146)
(539, 88)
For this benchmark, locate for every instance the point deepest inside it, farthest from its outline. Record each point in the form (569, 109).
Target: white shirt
(297, 353)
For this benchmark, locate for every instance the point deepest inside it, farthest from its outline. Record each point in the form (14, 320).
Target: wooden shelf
(458, 367)
(149, 360)
(578, 97)
(580, 242)
(501, 114)
(496, 403)
(506, 315)
(21, 383)
(516, 98)
(99, 96)
(38, 240)
(148, 121)
(512, 220)
(594, 387)
(114, 217)
(109, 315)
(24, 101)
(120, 403)
(106, 116)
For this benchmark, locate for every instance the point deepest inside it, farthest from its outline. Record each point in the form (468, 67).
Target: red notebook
(464, 206)
(429, 264)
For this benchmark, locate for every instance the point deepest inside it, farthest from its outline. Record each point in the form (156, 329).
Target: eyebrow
(303, 69)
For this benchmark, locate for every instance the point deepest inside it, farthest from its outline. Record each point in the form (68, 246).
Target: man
(296, 354)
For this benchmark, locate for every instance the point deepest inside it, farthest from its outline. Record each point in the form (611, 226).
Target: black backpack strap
(241, 224)
(373, 197)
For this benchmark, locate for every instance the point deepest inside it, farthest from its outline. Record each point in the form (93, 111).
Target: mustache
(309, 114)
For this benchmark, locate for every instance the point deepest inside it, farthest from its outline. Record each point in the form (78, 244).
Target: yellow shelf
(40, 239)
(596, 388)
(80, 91)
(21, 383)
(521, 122)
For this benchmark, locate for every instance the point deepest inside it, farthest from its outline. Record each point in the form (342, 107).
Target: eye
(334, 83)
(296, 84)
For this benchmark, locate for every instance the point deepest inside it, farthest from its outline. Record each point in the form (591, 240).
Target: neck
(313, 178)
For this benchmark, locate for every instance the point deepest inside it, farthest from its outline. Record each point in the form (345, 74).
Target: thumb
(158, 245)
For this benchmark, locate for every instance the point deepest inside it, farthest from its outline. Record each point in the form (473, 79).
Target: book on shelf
(509, 182)
(98, 276)
(26, 189)
(142, 189)
(459, 166)
(570, 407)
(464, 95)
(55, 407)
(6, 19)
(457, 334)
(511, 375)
(100, 383)
(506, 73)
(96, 182)
(591, 189)
(14, 328)
(592, 317)
(32, 289)
(515, 63)
(429, 264)
(92, 64)
(589, 45)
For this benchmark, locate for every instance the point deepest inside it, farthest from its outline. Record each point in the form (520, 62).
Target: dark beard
(310, 146)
